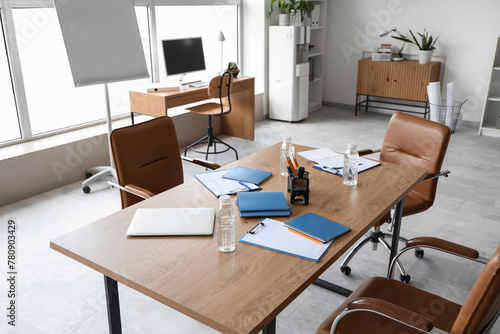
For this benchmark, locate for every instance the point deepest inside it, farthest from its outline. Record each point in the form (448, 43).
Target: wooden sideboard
(403, 80)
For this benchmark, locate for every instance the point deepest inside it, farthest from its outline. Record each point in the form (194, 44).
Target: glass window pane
(53, 100)
(9, 126)
(205, 21)
(118, 92)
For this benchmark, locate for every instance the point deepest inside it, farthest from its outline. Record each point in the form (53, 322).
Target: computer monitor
(183, 55)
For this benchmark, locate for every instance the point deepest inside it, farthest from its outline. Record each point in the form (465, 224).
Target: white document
(320, 153)
(221, 186)
(172, 221)
(336, 167)
(273, 235)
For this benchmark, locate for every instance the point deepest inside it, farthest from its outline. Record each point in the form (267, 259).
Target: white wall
(468, 41)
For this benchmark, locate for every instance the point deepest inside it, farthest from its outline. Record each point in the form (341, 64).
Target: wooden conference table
(238, 123)
(244, 291)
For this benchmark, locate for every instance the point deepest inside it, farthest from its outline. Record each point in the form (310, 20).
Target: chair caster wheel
(88, 175)
(419, 253)
(86, 189)
(345, 270)
(404, 278)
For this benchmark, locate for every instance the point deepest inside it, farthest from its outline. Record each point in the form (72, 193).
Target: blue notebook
(317, 227)
(275, 213)
(262, 201)
(247, 174)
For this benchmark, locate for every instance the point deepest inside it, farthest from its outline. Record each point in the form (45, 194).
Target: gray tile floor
(58, 295)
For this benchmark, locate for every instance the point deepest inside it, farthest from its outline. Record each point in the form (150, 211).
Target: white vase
(425, 56)
(284, 19)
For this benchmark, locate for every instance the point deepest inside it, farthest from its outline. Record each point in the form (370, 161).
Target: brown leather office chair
(219, 87)
(148, 160)
(383, 305)
(416, 142)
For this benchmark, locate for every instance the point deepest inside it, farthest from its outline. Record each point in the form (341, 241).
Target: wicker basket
(447, 115)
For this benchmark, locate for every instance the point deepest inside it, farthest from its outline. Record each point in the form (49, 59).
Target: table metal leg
(113, 305)
(270, 327)
(332, 287)
(398, 214)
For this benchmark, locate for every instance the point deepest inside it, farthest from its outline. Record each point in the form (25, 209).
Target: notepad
(263, 204)
(274, 236)
(172, 221)
(246, 174)
(317, 227)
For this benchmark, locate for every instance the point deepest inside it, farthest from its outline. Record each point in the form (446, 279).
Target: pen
(294, 171)
(295, 162)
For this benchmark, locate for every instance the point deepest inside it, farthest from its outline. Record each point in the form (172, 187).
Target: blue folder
(263, 204)
(247, 174)
(317, 227)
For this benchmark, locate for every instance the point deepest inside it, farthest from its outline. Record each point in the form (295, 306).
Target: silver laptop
(172, 221)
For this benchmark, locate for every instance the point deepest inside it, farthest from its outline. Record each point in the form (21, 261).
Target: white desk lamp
(221, 39)
(387, 32)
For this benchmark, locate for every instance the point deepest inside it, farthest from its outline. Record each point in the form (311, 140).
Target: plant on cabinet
(425, 46)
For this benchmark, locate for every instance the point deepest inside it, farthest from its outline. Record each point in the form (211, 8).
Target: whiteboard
(102, 40)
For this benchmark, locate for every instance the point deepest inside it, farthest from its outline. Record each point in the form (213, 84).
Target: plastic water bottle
(225, 225)
(287, 151)
(292, 17)
(350, 172)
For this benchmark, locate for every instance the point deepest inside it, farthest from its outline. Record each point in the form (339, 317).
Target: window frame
(7, 21)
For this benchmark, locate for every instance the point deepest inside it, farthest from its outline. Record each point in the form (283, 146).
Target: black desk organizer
(298, 186)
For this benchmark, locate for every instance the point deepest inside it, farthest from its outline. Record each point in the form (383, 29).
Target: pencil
(305, 236)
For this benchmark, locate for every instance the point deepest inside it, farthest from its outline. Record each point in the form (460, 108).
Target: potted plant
(426, 45)
(233, 68)
(284, 6)
(305, 8)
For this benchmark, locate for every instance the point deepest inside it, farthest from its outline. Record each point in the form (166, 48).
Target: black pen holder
(298, 187)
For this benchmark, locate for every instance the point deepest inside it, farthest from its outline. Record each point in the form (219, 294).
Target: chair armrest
(435, 176)
(368, 151)
(388, 310)
(201, 162)
(441, 245)
(132, 189)
(444, 245)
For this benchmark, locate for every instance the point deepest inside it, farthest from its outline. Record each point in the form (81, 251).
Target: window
(9, 125)
(48, 101)
(53, 101)
(205, 21)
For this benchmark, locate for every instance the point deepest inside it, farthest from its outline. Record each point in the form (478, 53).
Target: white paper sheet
(320, 153)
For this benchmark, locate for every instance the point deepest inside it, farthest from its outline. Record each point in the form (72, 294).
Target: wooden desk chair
(416, 142)
(148, 160)
(382, 305)
(220, 87)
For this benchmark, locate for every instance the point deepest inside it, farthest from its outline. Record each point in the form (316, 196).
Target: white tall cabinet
(296, 67)
(288, 73)
(491, 113)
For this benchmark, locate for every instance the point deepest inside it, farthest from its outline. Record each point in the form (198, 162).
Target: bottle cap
(287, 138)
(225, 199)
(352, 146)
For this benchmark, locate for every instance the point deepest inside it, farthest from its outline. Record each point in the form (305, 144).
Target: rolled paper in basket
(450, 94)
(434, 94)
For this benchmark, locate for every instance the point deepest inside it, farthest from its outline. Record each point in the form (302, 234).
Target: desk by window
(239, 123)
(240, 292)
